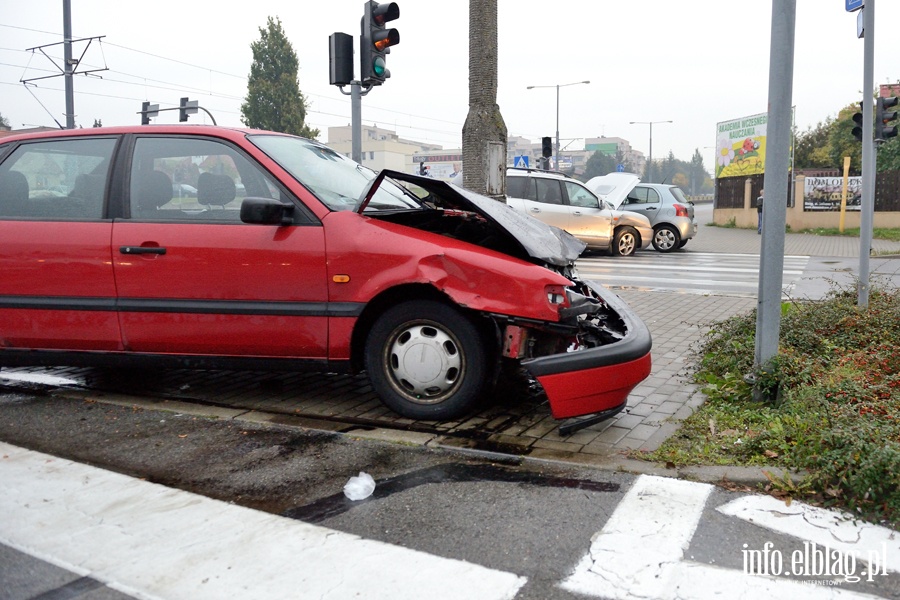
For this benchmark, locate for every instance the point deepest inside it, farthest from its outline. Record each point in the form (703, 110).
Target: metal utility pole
(70, 66)
(771, 259)
(867, 208)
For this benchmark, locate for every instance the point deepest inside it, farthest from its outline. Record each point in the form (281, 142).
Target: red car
(292, 256)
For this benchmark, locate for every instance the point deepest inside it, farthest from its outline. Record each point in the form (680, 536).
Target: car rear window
(679, 195)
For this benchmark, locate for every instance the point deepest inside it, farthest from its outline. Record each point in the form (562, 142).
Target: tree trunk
(484, 133)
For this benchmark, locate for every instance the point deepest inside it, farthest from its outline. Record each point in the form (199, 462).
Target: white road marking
(40, 378)
(639, 553)
(824, 527)
(154, 542)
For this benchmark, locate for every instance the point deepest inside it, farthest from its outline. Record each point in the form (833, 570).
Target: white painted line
(639, 553)
(651, 527)
(153, 542)
(824, 527)
(37, 378)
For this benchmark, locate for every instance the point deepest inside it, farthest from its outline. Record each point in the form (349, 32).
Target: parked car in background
(318, 264)
(183, 190)
(669, 212)
(566, 203)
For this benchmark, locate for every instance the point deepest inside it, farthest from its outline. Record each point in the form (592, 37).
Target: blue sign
(853, 5)
(520, 161)
(620, 168)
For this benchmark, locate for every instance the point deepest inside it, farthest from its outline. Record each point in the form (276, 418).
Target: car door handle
(651, 208)
(577, 213)
(535, 210)
(141, 250)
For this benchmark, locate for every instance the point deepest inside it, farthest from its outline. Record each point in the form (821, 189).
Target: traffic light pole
(771, 257)
(867, 208)
(357, 91)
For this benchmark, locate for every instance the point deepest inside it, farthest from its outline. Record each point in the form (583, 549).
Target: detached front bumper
(596, 380)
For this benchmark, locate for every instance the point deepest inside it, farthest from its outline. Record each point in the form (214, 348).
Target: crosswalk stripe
(706, 273)
(154, 542)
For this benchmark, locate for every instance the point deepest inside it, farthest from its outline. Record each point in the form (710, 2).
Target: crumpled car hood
(538, 240)
(613, 187)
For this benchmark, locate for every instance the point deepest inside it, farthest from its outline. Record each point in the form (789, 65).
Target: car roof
(220, 131)
(522, 172)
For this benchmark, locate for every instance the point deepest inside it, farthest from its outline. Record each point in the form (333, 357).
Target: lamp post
(650, 155)
(531, 87)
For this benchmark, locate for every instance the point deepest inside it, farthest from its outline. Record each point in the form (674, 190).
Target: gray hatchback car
(669, 212)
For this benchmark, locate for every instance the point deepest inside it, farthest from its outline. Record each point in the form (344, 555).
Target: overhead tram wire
(211, 93)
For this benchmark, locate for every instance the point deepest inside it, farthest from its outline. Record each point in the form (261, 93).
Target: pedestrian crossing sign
(520, 161)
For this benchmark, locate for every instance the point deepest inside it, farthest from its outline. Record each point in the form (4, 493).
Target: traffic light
(187, 107)
(546, 147)
(340, 58)
(148, 110)
(883, 129)
(376, 40)
(858, 119)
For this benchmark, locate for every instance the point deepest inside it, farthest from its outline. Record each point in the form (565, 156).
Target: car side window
(515, 186)
(581, 196)
(56, 180)
(643, 195)
(197, 180)
(548, 191)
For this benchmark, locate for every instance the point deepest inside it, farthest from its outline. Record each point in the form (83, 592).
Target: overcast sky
(695, 63)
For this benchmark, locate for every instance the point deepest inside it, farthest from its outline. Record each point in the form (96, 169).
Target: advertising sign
(439, 166)
(741, 146)
(824, 193)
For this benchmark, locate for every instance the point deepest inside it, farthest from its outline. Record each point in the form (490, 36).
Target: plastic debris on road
(359, 487)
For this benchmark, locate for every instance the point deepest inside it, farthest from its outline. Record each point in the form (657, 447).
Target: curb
(726, 476)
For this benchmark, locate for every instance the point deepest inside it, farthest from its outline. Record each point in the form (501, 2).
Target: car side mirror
(266, 211)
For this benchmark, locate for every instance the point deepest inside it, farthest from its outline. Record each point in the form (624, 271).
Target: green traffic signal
(378, 66)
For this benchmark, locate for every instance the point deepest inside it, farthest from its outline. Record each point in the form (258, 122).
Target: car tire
(683, 242)
(426, 360)
(666, 239)
(625, 241)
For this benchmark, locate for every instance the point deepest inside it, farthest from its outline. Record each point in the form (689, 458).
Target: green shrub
(837, 376)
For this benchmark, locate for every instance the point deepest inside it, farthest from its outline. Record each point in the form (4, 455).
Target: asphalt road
(532, 526)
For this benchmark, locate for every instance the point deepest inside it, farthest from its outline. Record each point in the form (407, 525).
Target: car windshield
(335, 179)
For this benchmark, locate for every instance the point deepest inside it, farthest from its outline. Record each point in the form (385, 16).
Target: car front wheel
(426, 360)
(625, 241)
(666, 239)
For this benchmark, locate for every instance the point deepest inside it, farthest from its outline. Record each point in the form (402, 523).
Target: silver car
(566, 203)
(670, 213)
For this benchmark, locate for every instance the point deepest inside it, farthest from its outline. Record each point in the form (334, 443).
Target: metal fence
(730, 191)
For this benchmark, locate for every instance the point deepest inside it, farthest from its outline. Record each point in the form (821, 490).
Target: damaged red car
(290, 256)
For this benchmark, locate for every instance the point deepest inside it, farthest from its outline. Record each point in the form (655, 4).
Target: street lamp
(650, 159)
(531, 87)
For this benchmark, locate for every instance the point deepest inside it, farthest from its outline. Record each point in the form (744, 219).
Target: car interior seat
(86, 196)
(215, 190)
(150, 191)
(13, 194)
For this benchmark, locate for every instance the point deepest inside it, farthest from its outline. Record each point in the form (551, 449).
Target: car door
(644, 200)
(56, 279)
(588, 222)
(539, 197)
(193, 279)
